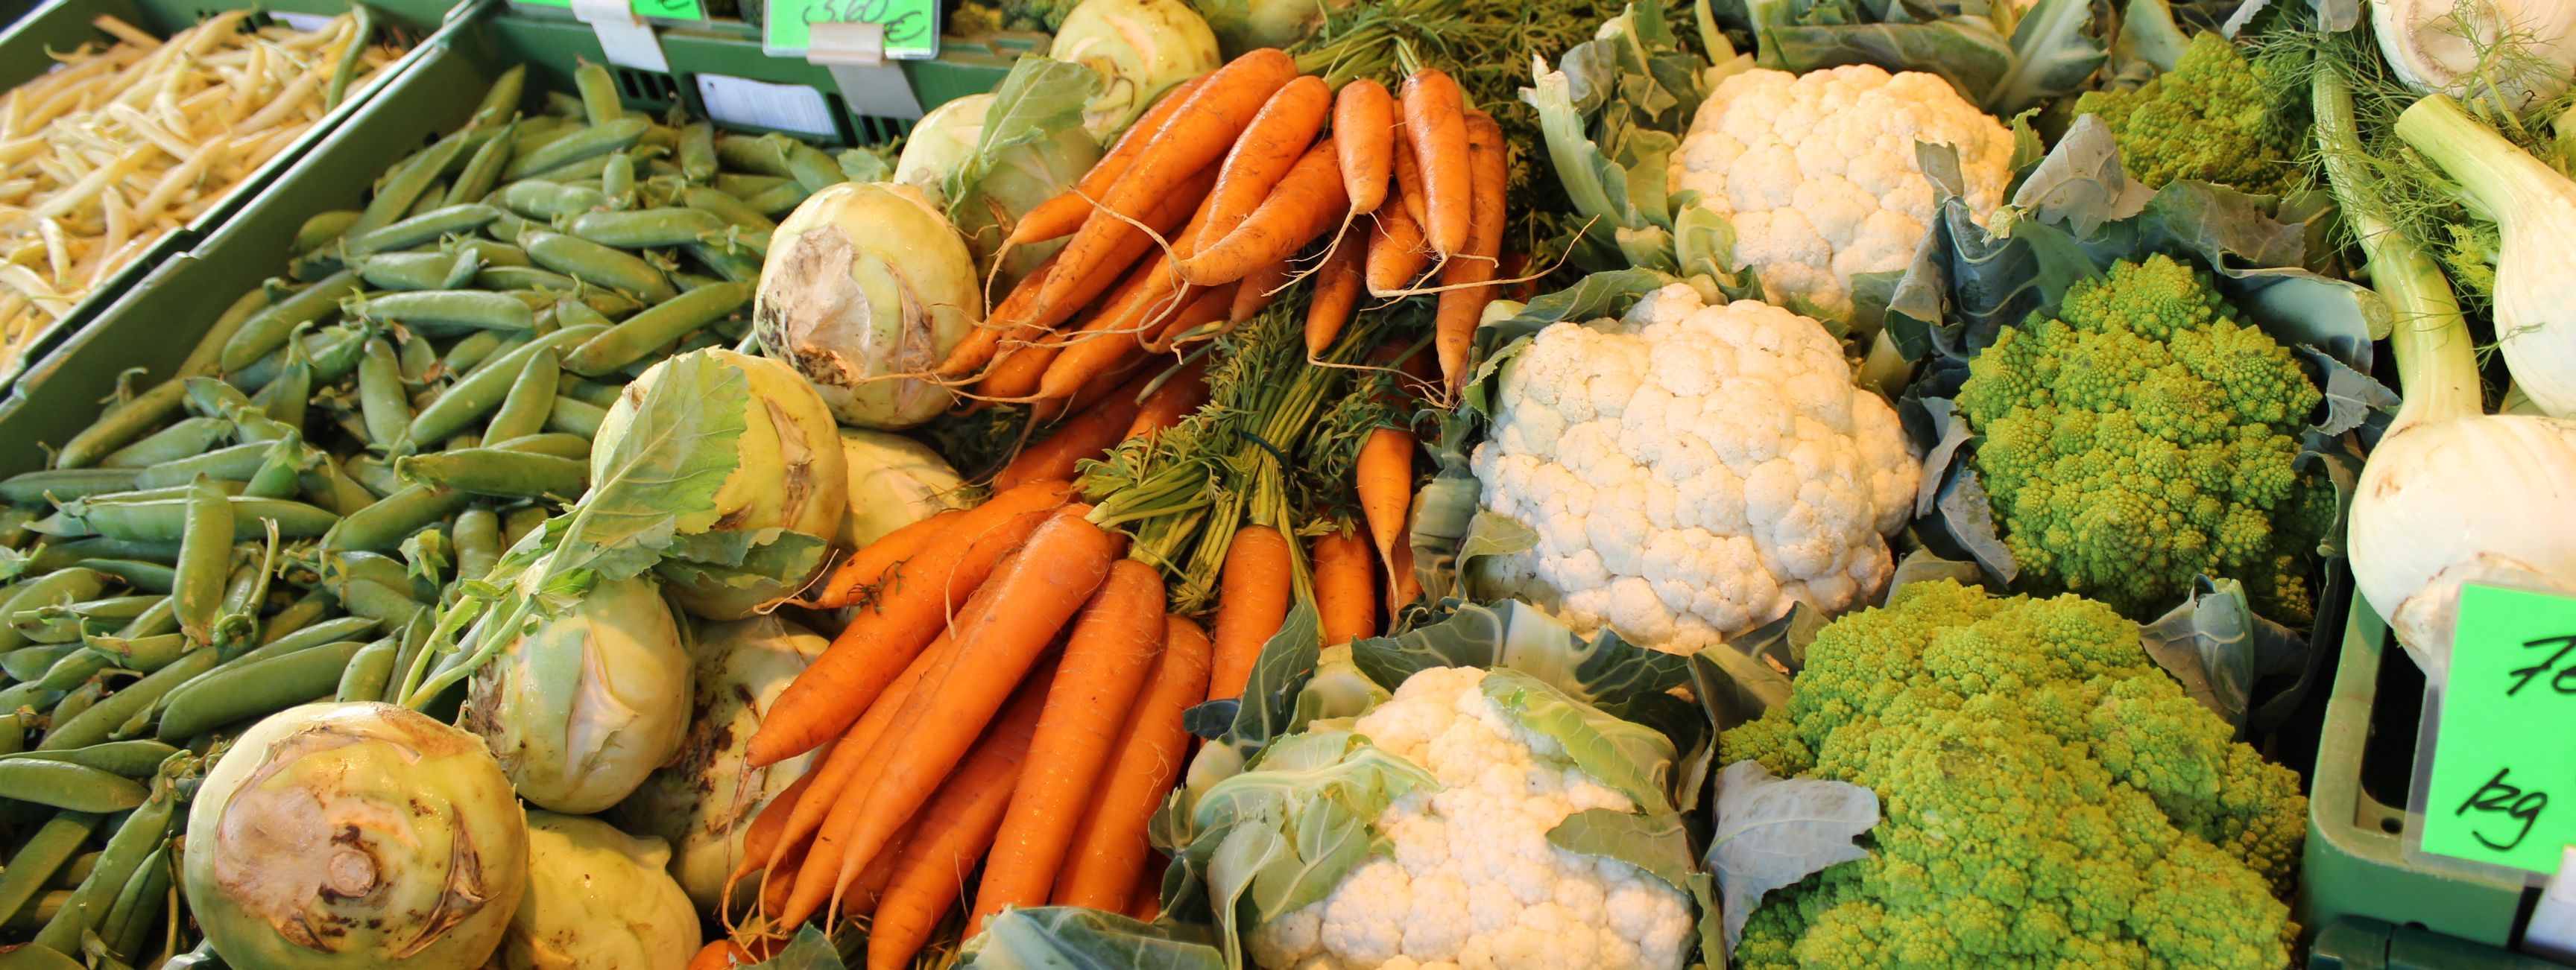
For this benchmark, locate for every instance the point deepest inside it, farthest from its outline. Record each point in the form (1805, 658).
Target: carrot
(1106, 658)
(1408, 178)
(856, 578)
(832, 776)
(1266, 150)
(1403, 587)
(955, 828)
(1109, 845)
(1364, 130)
(1199, 132)
(767, 826)
(869, 889)
(1385, 485)
(1146, 329)
(1020, 353)
(1182, 393)
(1454, 323)
(1252, 600)
(721, 955)
(1210, 306)
(1435, 119)
(978, 346)
(1146, 901)
(1058, 217)
(1337, 290)
(1396, 254)
(774, 886)
(1257, 291)
(839, 685)
(1000, 632)
(1307, 203)
(1345, 593)
(1088, 434)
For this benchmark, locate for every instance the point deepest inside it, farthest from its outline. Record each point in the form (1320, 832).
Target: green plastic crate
(157, 321)
(2355, 863)
(61, 25)
(2368, 944)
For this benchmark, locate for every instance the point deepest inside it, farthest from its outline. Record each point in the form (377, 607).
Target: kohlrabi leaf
(1656, 843)
(1966, 52)
(1772, 832)
(1270, 694)
(1630, 758)
(1039, 99)
(660, 480)
(1074, 938)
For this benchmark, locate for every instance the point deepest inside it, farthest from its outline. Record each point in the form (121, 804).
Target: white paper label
(306, 22)
(760, 104)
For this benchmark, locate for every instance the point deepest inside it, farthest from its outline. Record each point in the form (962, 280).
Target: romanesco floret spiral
(2050, 798)
(2208, 119)
(2143, 436)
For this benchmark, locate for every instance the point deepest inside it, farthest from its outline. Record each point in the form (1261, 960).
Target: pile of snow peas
(277, 523)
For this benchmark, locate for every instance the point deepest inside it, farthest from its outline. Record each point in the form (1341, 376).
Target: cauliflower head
(1473, 880)
(1692, 470)
(2052, 798)
(2143, 436)
(1817, 172)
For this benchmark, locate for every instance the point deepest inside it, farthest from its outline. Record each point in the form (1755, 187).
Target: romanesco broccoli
(2207, 119)
(2052, 798)
(1046, 15)
(2143, 436)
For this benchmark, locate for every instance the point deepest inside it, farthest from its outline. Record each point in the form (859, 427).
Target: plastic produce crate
(731, 48)
(61, 25)
(2368, 944)
(157, 321)
(2355, 862)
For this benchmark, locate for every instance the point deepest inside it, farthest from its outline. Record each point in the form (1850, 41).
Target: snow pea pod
(67, 786)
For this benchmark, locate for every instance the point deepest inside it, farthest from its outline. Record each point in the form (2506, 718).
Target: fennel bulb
(2535, 207)
(2450, 495)
(2521, 51)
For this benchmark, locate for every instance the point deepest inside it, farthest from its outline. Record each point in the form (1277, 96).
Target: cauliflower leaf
(1772, 832)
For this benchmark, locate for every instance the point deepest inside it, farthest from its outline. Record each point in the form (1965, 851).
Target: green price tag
(911, 26)
(2504, 769)
(660, 9)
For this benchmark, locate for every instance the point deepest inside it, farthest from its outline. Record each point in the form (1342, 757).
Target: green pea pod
(187, 438)
(269, 329)
(645, 228)
(141, 834)
(245, 690)
(124, 759)
(67, 786)
(698, 151)
(280, 475)
(30, 662)
(777, 199)
(573, 417)
(140, 654)
(478, 541)
(373, 474)
(593, 393)
(598, 93)
(523, 412)
(524, 278)
(214, 398)
(60, 586)
(161, 618)
(284, 398)
(385, 604)
(233, 464)
(597, 140)
(727, 208)
(743, 186)
(501, 100)
(452, 308)
(321, 229)
(166, 519)
(406, 271)
(95, 724)
(489, 252)
(122, 424)
(554, 443)
(422, 229)
(73, 669)
(541, 199)
(28, 698)
(368, 671)
(59, 555)
(470, 350)
(518, 522)
(496, 472)
(429, 201)
(329, 631)
(67, 483)
(811, 168)
(617, 180)
(597, 265)
(640, 334)
(384, 525)
(43, 855)
(408, 180)
(762, 154)
(483, 170)
(137, 910)
(381, 401)
(483, 389)
(584, 172)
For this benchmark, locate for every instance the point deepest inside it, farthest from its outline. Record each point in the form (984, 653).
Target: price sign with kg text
(911, 26)
(2504, 765)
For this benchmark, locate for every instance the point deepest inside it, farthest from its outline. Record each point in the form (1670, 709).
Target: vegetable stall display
(1345, 484)
(121, 144)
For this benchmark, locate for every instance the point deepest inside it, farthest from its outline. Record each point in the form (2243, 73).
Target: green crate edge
(57, 23)
(2351, 866)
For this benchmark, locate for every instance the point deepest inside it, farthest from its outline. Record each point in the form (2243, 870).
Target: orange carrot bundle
(858, 577)
(1058, 217)
(1088, 434)
(1210, 306)
(839, 685)
(1146, 902)
(953, 831)
(1020, 350)
(1397, 253)
(1106, 659)
(1435, 119)
(1454, 323)
(869, 888)
(1306, 204)
(1109, 845)
(1257, 291)
(721, 955)
(1345, 589)
(1364, 130)
(1200, 131)
(976, 349)
(1252, 600)
(1182, 393)
(1267, 149)
(1337, 291)
(1000, 633)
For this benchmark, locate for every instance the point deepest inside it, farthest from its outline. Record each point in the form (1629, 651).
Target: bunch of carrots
(1195, 219)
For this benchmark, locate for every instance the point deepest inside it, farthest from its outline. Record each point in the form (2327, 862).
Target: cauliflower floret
(1817, 172)
(1693, 470)
(1472, 880)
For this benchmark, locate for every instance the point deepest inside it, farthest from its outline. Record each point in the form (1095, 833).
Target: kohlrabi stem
(2497, 173)
(2436, 368)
